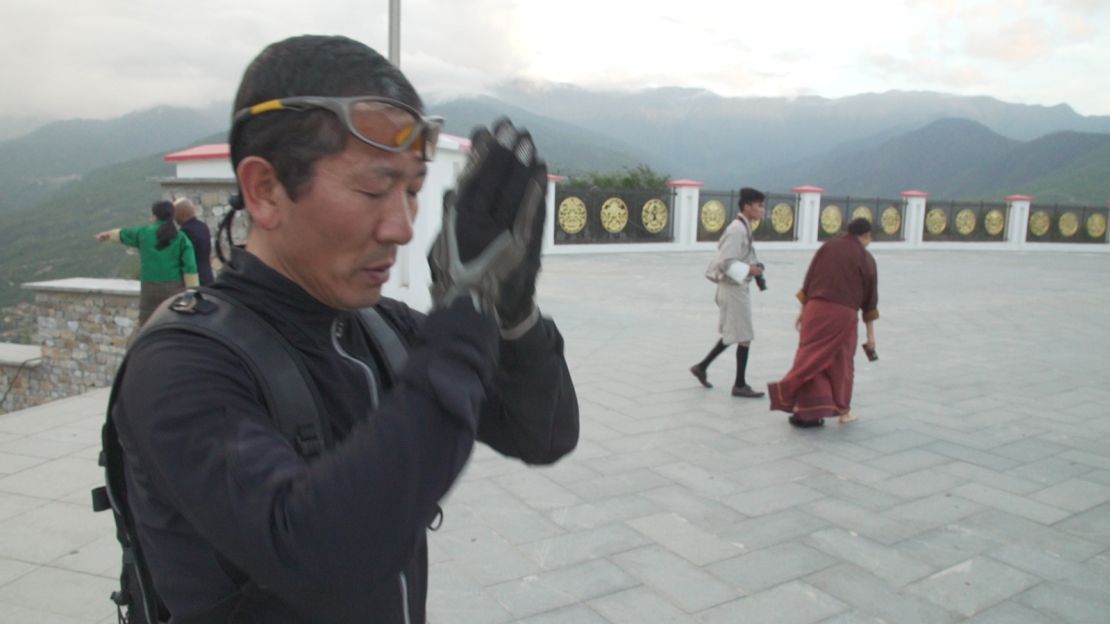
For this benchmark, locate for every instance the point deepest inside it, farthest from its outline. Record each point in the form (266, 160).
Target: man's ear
(263, 192)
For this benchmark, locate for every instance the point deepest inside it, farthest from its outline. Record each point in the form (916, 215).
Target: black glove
(492, 236)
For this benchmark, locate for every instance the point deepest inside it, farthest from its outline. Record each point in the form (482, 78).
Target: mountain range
(68, 179)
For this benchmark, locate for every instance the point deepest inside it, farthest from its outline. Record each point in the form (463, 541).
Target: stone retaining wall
(83, 328)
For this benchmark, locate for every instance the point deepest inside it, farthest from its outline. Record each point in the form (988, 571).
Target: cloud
(1018, 42)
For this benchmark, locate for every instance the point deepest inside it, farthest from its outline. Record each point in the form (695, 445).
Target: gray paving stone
(771, 499)
(919, 484)
(762, 569)
(697, 479)
(11, 569)
(971, 586)
(876, 600)
(907, 461)
(554, 589)
(480, 554)
(1091, 575)
(639, 605)
(859, 494)
(582, 546)
(776, 528)
(950, 544)
(17, 613)
(685, 539)
(84, 594)
(629, 482)
(576, 614)
(934, 511)
(883, 561)
(1052, 470)
(868, 523)
(1010, 612)
(46, 532)
(1092, 525)
(792, 603)
(973, 456)
(897, 441)
(680, 582)
(537, 491)
(1065, 604)
(990, 477)
(602, 512)
(1060, 540)
(856, 471)
(463, 604)
(1011, 503)
(705, 512)
(1073, 495)
(1030, 449)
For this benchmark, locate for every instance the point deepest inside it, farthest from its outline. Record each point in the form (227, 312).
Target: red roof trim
(212, 151)
(1012, 198)
(677, 183)
(806, 188)
(914, 194)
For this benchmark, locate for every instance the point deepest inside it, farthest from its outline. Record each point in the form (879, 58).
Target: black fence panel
(887, 217)
(780, 220)
(717, 210)
(965, 222)
(1067, 224)
(586, 216)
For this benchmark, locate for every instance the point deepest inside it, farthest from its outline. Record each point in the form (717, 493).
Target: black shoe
(746, 392)
(806, 424)
(699, 372)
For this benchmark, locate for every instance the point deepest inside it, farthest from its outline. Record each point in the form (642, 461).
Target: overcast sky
(103, 58)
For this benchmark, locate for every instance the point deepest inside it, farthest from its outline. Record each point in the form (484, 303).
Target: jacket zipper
(336, 332)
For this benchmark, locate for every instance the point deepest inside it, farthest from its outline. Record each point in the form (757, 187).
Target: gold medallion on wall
(712, 216)
(831, 219)
(863, 212)
(994, 222)
(614, 215)
(936, 221)
(1068, 224)
(1039, 223)
(1096, 225)
(654, 215)
(891, 221)
(572, 215)
(965, 221)
(782, 218)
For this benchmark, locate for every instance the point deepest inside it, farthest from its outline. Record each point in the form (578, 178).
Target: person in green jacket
(166, 258)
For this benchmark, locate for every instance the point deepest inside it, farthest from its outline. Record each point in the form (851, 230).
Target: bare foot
(847, 418)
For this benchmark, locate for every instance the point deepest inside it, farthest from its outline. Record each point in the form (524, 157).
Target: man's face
(339, 239)
(753, 210)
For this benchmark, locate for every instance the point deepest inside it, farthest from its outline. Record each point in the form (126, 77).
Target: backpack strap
(386, 339)
(266, 353)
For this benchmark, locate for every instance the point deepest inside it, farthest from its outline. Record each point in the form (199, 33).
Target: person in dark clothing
(185, 215)
(330, 150)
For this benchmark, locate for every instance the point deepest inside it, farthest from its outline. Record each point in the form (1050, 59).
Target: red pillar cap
(805, 188)
(677, 183)
(1012, 198)
(914, 194)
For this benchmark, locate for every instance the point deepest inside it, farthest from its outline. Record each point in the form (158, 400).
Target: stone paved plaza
(974, 488)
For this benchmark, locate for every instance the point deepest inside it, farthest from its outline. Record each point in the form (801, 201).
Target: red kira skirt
(819, 384)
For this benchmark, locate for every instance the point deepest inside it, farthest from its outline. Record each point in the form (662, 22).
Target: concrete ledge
(87, 285)
(12, 354)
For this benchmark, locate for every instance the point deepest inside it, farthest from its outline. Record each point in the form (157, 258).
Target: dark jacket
(201, 237)
(223, 503)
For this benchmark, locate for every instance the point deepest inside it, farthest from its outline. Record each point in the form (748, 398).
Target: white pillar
(1017, 217)
(809, 214)
(913, 217)
(687, 196)
(549, 220)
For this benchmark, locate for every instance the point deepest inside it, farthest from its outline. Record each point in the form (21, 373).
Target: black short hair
(163, 211)
(749, 195)
(859, 227)
(308, 65)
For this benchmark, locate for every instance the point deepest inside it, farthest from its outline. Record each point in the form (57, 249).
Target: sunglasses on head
(381, 122)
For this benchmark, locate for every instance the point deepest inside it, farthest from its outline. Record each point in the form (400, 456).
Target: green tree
(640, 177)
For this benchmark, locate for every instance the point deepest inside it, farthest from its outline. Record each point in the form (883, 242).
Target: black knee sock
(741, 365)
(713, 353)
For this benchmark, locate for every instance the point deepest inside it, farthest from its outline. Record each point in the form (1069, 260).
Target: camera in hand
(871, 354)
(759, 279)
